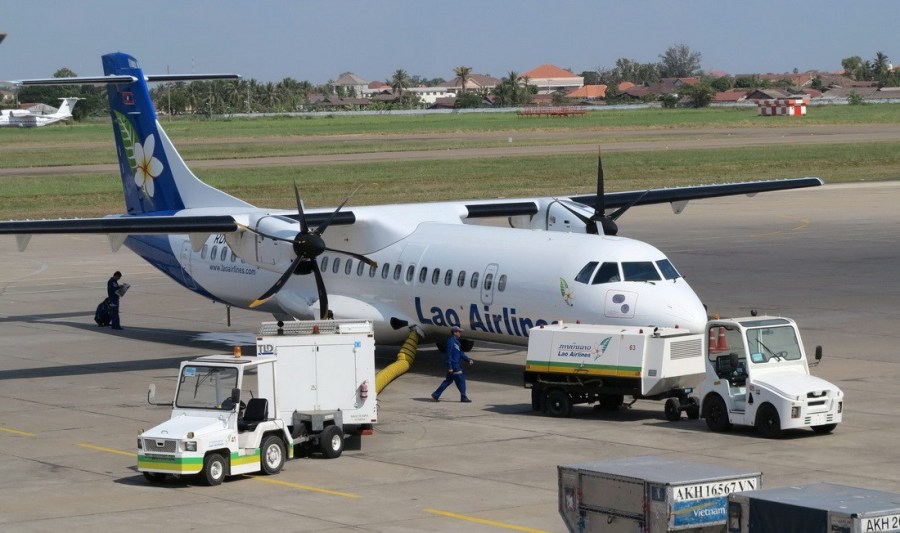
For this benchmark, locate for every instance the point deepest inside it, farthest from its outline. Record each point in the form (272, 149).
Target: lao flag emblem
(128, 98)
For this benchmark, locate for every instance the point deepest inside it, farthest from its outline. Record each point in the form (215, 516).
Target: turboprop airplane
(19, 118)
(407, 267)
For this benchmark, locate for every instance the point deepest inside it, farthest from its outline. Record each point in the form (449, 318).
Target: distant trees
(463, 74)
(878, 70)
(513, 91)
(679, 61)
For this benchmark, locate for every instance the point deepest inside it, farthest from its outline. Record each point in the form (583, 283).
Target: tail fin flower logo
(147, 167)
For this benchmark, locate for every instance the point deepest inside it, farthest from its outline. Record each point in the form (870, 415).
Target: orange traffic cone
(713, 342)
(723, 343)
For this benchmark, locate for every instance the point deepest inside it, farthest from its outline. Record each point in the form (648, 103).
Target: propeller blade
(618, 212)
(304, 228)
(600, 204)
(323, 225)
(278, 284)
(323, 295)
(359, 257)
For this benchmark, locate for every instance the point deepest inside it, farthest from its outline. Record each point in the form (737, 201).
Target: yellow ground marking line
(108, 450)
(16, 432)
(307, 487)
(483, 521)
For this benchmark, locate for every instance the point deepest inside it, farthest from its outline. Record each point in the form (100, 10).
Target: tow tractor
(757, 375)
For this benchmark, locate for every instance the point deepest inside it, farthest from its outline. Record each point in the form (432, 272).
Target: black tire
(672, 410)
(271, 455)
(716, 413)
(693, 408)
(331, 442)
(558, 403)
(536, 395)
(768, 423)
(214, 468)
(154, 477)
(824, 429)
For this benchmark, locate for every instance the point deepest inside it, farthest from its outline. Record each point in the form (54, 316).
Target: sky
(270, 40)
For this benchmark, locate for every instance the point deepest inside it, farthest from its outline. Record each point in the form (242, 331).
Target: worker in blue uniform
(455, 356)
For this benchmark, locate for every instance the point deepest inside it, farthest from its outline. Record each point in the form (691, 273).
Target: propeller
(606, 222)
(308, 245)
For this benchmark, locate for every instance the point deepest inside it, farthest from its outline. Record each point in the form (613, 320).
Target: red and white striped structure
(789, 107)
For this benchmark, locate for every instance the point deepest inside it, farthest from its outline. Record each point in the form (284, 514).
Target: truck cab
(757, 374)
(211, 431)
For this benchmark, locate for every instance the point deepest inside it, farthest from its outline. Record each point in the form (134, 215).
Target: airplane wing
(677, 196)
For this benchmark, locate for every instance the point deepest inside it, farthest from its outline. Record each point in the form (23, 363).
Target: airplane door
(488, 282)
(186, 265)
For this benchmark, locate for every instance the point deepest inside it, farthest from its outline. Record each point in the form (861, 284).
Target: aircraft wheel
(717, 413)
(768, 423)
(331, 442)
(673, 410)
(213, 469)
(558, 403)
(272, 455)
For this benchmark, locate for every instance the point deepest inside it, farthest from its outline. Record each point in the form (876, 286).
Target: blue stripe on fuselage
(156, 250)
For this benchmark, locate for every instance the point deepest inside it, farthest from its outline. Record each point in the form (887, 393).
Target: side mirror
(236, 396)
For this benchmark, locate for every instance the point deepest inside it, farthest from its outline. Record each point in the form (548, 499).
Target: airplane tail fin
(65, 110)
(154, 176)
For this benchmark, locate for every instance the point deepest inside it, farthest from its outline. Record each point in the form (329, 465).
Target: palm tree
(399, 81)
(880, 65)
(463, 74)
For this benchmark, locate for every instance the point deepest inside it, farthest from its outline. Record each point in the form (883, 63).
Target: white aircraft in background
(424, 266)
(20, 118)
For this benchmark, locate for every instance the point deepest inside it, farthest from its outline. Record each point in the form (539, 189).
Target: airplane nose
(687, 309)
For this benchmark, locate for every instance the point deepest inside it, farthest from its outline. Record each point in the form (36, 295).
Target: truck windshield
(205, 387)
(778, 343)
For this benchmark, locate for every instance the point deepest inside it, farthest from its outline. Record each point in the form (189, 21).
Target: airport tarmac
(74, 395)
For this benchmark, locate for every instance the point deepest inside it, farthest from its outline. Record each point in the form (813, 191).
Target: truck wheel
(331, 442)
(716, 413)
(825, 429)
(213, 469)
(155, 477)
(558, 403)
(673, 410)
(272, 456)
(768, 423)
(693, 408)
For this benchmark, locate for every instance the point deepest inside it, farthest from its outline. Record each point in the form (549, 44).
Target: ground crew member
(455, 354)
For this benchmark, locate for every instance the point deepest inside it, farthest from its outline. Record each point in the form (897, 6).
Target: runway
(74, 395)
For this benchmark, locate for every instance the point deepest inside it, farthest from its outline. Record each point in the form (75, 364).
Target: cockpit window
(585, 275)
(640, 271)
(608, 273)
(667, 269)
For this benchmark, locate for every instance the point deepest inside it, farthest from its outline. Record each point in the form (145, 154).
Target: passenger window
(488, 281)
(384, 270)
(203, 252)
(585, 274)
(474, 282)
(324, 266)
(640, 271)
(360, 268)
(213, 253)
(461, 280)
(435, 276)
(372, 270)
(336, 265)
(348, 268)
(224, 254)
(410, 272)
(608, 273)
(397, 270)
(233, 256)
(501, 283)
(448, 277)
(423, 274)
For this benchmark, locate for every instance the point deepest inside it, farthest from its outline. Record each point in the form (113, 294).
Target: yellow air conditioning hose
(405, 358)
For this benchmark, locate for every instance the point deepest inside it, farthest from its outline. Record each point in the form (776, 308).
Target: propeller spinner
(308, 245)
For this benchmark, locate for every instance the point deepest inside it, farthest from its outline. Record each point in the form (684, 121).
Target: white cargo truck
(310, 385)
(569, 364)
(757, 375)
